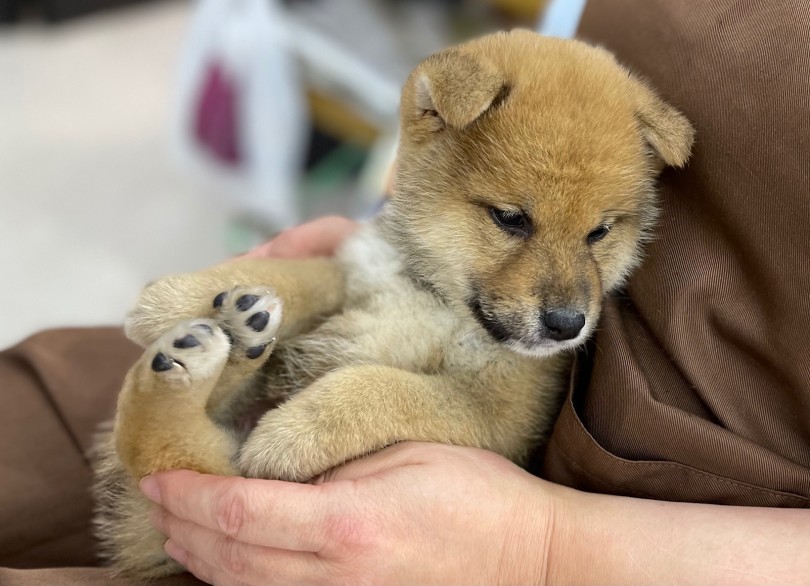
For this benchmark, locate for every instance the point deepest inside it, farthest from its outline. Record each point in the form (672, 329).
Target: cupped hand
(413, 513)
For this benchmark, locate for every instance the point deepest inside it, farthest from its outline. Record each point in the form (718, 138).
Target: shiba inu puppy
(523, 190)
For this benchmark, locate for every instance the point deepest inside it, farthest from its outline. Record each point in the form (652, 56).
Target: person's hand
(319, 237)
(411, 514)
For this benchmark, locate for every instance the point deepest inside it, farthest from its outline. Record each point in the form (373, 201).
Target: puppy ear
(451, 89)
(666, 130)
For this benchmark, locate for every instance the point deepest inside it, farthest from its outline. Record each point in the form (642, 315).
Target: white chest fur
(388, 319)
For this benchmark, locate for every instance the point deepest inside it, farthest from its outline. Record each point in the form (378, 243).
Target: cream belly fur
(524, 188)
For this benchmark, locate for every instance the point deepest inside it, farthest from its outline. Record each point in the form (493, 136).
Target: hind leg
(127, 542)
(162, 422)
(163, 419)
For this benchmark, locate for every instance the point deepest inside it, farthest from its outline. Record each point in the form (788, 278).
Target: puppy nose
(563, 323)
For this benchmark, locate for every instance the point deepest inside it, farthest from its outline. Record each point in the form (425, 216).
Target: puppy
(523, 189)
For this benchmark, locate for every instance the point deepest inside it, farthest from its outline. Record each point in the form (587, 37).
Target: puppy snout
(563, 323)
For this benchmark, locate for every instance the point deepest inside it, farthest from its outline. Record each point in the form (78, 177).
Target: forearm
(601, 539)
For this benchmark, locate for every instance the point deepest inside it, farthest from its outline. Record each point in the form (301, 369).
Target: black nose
(563, 323)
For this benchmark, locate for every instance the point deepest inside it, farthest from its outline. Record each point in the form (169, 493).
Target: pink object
(216, 121)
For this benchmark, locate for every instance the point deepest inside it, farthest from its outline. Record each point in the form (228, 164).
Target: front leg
(309, 288)
(354, 411)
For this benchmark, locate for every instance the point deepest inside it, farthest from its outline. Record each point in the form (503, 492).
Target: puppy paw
(162, 305)
(279, 451)
(250, 317)
(292, 443)
(191, 352)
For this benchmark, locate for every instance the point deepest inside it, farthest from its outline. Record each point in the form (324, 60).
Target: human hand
(319, 237)
(413, 513)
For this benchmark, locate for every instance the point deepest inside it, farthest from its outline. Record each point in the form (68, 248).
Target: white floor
(90, 206)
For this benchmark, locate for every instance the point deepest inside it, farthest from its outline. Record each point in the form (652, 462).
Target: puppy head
(524, 183)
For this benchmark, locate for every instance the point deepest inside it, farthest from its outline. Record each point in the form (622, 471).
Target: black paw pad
(187, 341)
(255, 351)
(161, 362)
(219, 299)
(205, 327)
(258, 321)
(228, 335)
(245, 302)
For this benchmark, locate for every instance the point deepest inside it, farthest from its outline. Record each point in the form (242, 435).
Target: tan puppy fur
(523, 190)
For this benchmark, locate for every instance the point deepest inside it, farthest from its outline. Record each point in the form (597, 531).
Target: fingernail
(156, 519)
(175, 552)
(150, 489)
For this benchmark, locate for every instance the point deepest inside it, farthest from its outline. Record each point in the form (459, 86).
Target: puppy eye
(599, 233)
(512, 222)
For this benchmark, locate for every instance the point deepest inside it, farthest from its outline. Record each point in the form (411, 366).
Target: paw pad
(258, 321)
(162, 363)
(219, 299)
(255, 351)
(187, 341)
(245, 302)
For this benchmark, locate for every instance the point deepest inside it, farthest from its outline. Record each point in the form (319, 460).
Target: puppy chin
(537, 350)
(545, 347)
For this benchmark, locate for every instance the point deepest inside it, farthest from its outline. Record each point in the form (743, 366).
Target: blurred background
(141, 138)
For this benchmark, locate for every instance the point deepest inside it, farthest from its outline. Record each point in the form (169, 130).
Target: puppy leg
(310, 289)
(357, 410)
(127, 541)
(162, 422)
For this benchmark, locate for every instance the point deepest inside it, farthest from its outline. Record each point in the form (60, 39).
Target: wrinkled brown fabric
(84, 577)
(697, 387)
(55, 388)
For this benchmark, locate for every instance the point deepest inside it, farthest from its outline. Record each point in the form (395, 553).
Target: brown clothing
(697, 386)
(55, 388)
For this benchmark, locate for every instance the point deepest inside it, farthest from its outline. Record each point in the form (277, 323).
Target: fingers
(268, 513)
(204, 571)
(320, 237)
(221, 560)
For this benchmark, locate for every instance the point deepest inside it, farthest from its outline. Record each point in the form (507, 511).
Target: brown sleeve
(697, 387)
(86, 577)
(55, 387)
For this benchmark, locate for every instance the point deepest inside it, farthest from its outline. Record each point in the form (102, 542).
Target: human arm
(603, 539)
